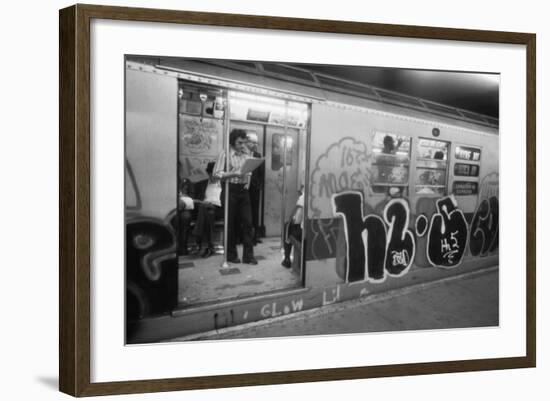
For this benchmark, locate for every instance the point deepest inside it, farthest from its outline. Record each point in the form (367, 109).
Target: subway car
(383, 190)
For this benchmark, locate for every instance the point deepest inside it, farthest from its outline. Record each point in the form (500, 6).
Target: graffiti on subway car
(447, 235)
(372, 241)
(485, 223)
(377, 247)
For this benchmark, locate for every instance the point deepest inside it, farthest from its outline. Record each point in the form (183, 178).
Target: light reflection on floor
(203, 279)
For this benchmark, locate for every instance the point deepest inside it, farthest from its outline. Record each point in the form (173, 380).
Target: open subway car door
(275, 131)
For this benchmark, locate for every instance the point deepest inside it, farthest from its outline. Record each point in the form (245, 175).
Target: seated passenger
(293, 229)
(390, 145)
(208, 207)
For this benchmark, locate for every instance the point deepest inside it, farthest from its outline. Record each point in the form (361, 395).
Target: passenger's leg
(287, 247)
(255, 208)
(210, 217)
(232, 214)
(184, 226)
(199, 229)
(208, 229)
(246, 221)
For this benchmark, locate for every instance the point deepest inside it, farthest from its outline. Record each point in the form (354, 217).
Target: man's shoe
(250, 261)
(234, 260)
(207, 253)
(286, 263)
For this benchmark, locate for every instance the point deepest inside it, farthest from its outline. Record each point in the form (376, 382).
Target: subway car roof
(300, 83)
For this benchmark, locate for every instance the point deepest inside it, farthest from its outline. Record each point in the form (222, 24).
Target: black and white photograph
(273, 199)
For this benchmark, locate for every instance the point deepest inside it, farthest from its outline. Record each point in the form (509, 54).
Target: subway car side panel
(150, 194)
(359, 232)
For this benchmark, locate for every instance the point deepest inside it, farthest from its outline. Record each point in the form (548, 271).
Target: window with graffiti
(391, 163)
(431, 167)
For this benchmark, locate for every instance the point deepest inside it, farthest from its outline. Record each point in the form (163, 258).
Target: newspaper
(251, 165)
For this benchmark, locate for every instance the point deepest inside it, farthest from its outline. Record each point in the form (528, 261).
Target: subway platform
(459, 301)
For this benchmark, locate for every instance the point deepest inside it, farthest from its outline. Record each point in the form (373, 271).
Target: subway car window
(280, 145)
(467, 153)
(431, 167)
(466, 171)
(391, 163)
(267, 110)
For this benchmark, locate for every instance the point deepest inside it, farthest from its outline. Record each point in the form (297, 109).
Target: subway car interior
(276, 131)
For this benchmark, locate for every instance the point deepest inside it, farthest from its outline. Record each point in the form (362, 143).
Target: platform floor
(463, 301)
(203, 280)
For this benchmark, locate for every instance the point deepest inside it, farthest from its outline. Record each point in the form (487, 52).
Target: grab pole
(226, 196)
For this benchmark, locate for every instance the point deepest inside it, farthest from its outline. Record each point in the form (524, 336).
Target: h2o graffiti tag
(375, 246)
(379, 247)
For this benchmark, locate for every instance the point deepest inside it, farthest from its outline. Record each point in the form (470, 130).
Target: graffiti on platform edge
(377, 247)
(273, 309)
(331, 296)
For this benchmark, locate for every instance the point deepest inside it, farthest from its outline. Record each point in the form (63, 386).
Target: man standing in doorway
(256, 186)
(239, 212)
